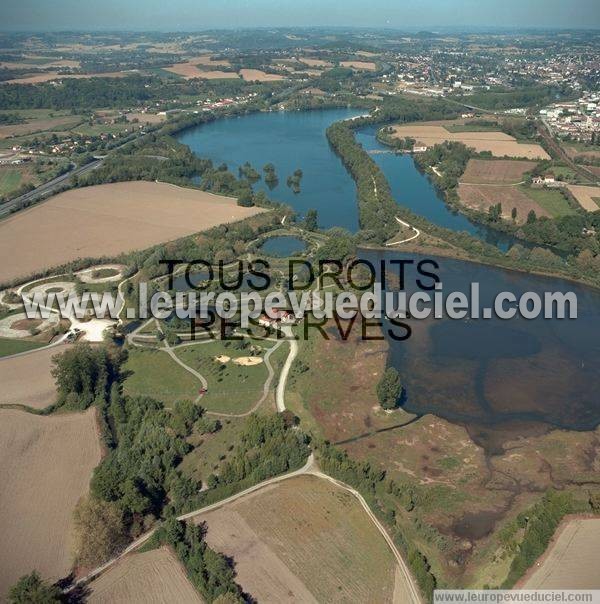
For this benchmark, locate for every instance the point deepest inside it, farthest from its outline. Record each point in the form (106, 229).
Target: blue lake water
(414, 190)
(283, 246)
(288, 140)
(498, 378)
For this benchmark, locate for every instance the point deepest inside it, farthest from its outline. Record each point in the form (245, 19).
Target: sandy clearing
(38, 126)
(222, 358)
(248, 361)
(584, 196)
(308, 536)
(360, 65)
(152, 577)
(498, 143)
(500, 171)
(251, 75)
(571, 561)
(26, 379)
(107, 220)
(481, 197)
(45, 467)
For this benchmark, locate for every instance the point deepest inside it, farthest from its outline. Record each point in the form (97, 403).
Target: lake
(498, 378)
(288, 140)
(501, 378)
(283, 246)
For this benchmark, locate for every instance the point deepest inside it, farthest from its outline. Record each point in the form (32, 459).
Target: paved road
(47, 188)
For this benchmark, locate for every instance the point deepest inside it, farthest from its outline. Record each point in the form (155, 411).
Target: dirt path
(411, 596)
(415, 229)
(280, 394)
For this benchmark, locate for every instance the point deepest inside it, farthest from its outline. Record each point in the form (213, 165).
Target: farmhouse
(547, 181)
(278, 317)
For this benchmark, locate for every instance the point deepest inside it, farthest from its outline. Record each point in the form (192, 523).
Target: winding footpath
(309, 468)
(415, 229)
(405, 224)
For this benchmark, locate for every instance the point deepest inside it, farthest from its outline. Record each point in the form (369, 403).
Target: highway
(47, 188)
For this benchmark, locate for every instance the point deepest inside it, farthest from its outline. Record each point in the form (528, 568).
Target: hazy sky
(173, 15)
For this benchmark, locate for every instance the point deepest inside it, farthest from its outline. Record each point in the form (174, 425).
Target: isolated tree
(270, 175)
(246, 199)
(514, 213)
(389, 389)
(495, 212)
(310, 221)
(531, 217)
(30, 589)
(99, 531)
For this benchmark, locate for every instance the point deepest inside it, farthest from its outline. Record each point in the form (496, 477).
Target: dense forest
(131, 91)
(377, 208)
(522, 97)
(138, 483)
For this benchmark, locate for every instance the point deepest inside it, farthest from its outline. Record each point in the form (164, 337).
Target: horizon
(186, 16)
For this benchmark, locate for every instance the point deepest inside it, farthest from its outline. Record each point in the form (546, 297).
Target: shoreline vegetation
(378, 209)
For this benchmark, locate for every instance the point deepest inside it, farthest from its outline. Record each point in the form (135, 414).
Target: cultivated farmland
(193, 69)
(252, 75)
(571, 561)
(55, 75)
(26, 379)
(314, 62)
(150, 577)
(360, 65)
(52, 123)
(481, 197)
(500, 171)
(498, 143)
(45, 467)
(107, 220)
(587, 197)
(304, 540)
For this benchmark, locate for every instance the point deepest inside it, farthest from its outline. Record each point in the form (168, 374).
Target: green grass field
(457, 128)
(10, 179)
(563, 172)
(37, 114)
(85, 129)
(231, 388)
(551, 200)
(212, 450)
(8, 347)
(155, 374)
